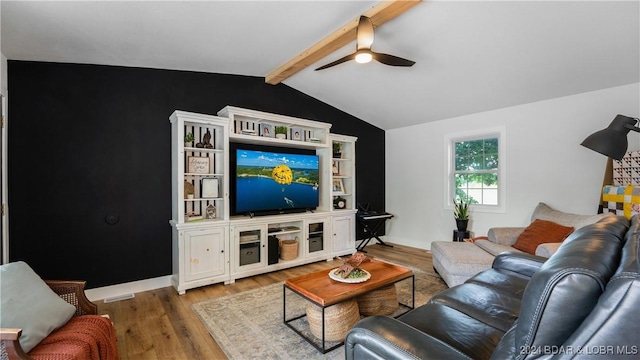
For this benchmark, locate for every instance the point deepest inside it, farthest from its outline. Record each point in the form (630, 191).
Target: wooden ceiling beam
(379, 14)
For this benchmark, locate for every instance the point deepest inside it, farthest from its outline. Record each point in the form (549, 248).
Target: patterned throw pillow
(541, 232)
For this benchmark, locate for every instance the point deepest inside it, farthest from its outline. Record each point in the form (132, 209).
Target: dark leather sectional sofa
(582, 302)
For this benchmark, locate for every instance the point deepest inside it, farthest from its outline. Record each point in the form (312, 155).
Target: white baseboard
(133, 287)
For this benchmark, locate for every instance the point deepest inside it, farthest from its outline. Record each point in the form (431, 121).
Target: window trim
(478, 134)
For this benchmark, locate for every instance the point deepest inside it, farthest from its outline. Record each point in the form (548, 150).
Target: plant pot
(189, 196)
(281, 136)
(337, 155)
(462, 224)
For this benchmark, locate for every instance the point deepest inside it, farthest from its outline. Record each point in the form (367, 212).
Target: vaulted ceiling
(470, 56)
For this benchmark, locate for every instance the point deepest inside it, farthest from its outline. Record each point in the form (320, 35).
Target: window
(475, 169)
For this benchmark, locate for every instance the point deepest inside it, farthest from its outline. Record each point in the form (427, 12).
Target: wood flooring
(159, 324)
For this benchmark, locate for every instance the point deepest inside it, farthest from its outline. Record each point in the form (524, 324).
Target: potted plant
(461, 213)
(189, 193)
(188, 139)
(281, 132)
(337, 150)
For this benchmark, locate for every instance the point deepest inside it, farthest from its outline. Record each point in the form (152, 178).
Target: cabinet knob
(207, 249)
(222, 250)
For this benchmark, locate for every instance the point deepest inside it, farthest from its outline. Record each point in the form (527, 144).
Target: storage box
(249, 253)
(315, 244)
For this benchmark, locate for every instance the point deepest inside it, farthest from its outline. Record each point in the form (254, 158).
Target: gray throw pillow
(28, 303)
(545, 212)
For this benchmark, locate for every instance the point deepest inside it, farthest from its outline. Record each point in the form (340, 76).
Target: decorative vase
(462, 224)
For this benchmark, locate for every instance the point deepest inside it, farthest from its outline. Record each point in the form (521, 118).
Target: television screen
(275, 181)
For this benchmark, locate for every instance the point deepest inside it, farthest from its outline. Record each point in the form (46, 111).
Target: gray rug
(249, 325)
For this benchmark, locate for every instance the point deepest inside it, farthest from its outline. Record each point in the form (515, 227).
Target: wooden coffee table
(324, 292)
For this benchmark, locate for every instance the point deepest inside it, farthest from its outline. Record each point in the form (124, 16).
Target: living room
(90, 125)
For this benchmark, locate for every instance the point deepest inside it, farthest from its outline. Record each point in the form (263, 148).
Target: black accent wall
(91, 143)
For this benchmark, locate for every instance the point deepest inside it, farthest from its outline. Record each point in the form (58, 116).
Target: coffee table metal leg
(413, 291)
(322, 347)
(413, 296)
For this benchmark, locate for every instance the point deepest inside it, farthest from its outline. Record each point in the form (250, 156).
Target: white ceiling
(471, 56)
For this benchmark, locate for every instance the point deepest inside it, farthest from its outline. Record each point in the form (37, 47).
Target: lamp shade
(612, 141)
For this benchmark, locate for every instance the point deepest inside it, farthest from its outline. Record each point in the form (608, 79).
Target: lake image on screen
(258, 190)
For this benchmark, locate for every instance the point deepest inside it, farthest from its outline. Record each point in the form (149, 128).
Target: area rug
(249, 325)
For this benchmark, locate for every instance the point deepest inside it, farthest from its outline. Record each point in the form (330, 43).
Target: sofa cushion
(545, 212)
(483, 303)
(500, 280)
(493, 248)
(28, 303)
(449, 325)
(458, 261)
(540, 232)
(548, 249)
(569, 277)
(504, 235)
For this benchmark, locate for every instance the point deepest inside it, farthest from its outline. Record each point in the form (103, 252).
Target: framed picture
(297, 134)
(209, 188)
(338, 186)
(198, 164)
(266, 130)
(335, 168)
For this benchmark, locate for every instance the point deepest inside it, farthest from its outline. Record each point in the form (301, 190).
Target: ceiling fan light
(363, 57)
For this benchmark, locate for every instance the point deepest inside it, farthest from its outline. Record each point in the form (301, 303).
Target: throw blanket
(621, 200)
(86, 337)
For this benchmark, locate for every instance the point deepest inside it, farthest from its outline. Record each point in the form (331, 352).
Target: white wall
(545, 162)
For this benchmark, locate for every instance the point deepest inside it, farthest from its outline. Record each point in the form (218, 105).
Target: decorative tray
(349, 280)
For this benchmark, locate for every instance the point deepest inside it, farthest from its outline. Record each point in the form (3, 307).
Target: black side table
(461, 235)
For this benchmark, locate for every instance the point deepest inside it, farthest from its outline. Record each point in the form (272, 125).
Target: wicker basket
(288, 249)
(383, 301)
(339, 319)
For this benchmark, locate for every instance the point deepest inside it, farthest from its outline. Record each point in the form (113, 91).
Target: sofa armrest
(11, 344)
(547, 249)
(504, 235)
(73, 293)
(383, 337)
(521, 263)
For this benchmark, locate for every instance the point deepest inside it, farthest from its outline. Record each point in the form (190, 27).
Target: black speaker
(273, 250)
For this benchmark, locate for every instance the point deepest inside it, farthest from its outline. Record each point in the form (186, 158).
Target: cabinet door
(344, 233)
(204, 253)
(318, 240)
(249, 248)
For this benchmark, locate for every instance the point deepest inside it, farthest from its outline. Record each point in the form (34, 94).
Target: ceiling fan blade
(339, 61)
(392, 60)
(364, 33)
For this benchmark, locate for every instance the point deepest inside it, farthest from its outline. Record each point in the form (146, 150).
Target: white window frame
(450, 140)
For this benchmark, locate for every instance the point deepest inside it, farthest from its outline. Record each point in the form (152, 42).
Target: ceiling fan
(363, 54)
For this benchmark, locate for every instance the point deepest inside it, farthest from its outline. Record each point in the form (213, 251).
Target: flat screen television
(275, 181)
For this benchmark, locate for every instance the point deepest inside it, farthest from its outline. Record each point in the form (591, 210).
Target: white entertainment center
(209, 244)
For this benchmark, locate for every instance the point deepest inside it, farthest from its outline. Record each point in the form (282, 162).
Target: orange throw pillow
(541, 232)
